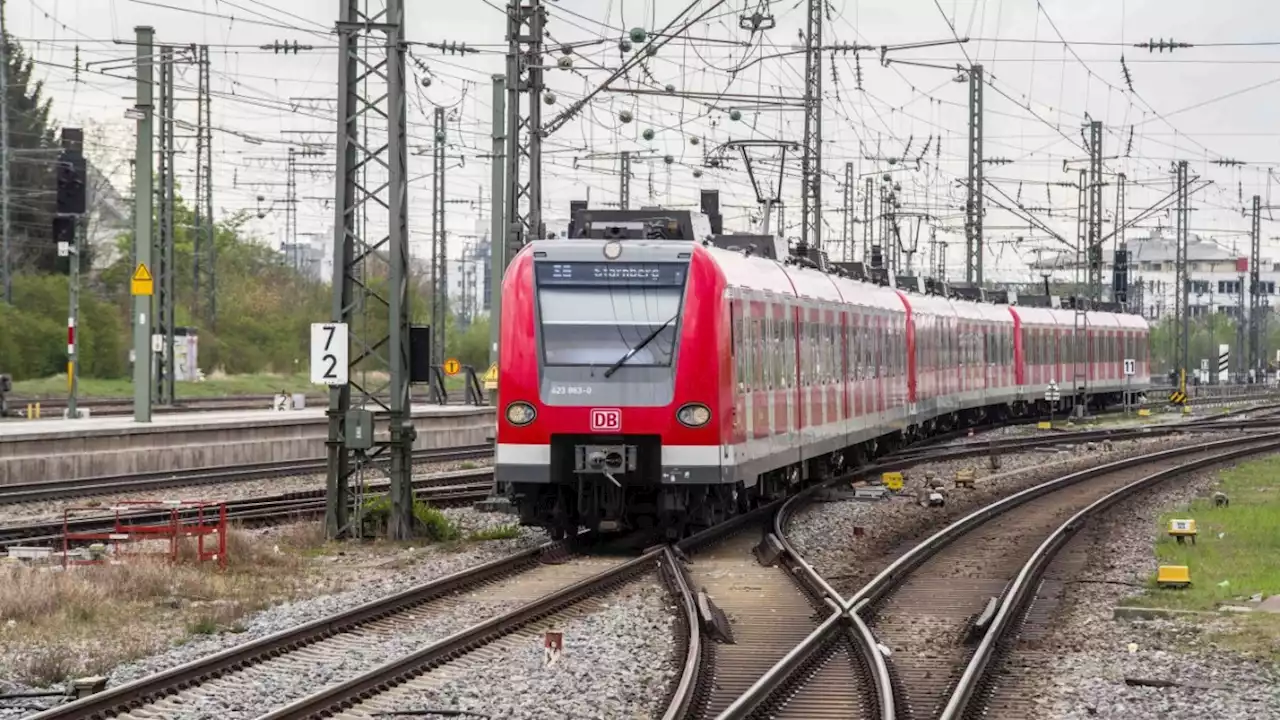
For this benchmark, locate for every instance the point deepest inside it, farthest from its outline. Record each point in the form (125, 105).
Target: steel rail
(1022, 589)
(130, 695)
(886, 579)
(85, 487)
(471, 485)
(682, 694)
(904, 565)
(396, 672)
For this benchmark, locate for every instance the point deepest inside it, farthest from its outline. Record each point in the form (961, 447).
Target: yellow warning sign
(892, 480)
(452, 366)
(142, 283)
(491, 377)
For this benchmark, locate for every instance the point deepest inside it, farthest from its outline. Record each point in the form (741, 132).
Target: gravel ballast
(373, 572)
(617, 663)
(824, 532)
(1087, 678)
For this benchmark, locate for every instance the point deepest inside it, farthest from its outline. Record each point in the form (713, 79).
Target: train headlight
(694, 415)
(520, 413)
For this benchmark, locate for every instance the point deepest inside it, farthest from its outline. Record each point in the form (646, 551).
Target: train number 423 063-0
(570, 389)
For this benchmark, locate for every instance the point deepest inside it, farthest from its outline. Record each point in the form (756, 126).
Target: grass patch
(429, 522)
(88, 619)
(214, 387)
(1244, 557)
(510, 531)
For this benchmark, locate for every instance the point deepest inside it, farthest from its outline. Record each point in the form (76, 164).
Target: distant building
(307, 256)
(110, 216)
(1219, 277)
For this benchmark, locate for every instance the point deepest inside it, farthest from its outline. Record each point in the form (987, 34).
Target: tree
(33, 151)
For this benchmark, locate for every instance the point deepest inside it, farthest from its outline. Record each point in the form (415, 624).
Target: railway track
(942, 594)
(443, 489)
(519, 596)
(519, 578)
(1028, 605)
(193, 477)
(109, 407)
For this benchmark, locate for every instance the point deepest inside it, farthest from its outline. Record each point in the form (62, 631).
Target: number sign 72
(329, 354)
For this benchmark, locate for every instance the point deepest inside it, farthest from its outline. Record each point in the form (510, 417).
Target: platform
(35, 450)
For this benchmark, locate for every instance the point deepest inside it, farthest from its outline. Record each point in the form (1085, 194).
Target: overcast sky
(1211, 102)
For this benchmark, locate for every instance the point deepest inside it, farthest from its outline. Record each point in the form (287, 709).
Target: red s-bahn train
(650, 378)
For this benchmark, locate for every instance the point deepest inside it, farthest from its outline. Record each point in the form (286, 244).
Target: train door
(778, 406)
(741, 353)
(835, 370)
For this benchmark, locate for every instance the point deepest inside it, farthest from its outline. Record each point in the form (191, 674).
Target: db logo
(606, 420)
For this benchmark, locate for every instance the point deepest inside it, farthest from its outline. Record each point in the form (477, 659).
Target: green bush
(429, 522)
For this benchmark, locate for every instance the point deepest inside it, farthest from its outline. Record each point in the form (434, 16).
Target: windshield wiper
(630, 353)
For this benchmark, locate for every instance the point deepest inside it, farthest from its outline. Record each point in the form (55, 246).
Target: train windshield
(593, 313)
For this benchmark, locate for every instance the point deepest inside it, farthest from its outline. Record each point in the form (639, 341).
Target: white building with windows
(1219, 277)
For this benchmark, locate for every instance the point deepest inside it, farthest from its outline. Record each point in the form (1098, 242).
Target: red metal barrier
(136, 523)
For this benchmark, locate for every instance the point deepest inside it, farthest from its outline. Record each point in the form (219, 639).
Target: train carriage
(649, 377)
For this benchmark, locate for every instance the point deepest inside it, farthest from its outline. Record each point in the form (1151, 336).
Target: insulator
(647, 134)
(625, 116)
(638, 35)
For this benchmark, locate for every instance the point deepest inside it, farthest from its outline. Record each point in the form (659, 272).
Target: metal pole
(142, 195)
(811, 193)
(1094, 225)
(73, 320)
(338, 472)
(1184, 288)
(439, 245)
(497, 233)
(197, 209)
(211, 230)
(524, 130)
(1256, 359)
(5, 261)
(973, 204)
(403, 434)
(624, 182)
(169, 269)
(847, 253)
(868, 218)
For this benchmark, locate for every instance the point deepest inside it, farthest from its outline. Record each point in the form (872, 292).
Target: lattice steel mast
(371, 88)
(1256, 358)
(973, 209)
(1094, 225)
(524, 123)
(811, 195)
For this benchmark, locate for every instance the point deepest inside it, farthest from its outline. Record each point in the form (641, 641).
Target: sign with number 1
(329, 354)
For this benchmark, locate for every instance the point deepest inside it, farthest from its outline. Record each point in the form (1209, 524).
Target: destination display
(610, 273)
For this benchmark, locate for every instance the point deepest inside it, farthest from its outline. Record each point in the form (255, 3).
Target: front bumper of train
(678, 464)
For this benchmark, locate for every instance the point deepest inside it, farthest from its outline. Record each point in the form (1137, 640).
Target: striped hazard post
(1224, 362)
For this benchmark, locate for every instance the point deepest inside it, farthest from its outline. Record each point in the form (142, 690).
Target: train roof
(761, 273)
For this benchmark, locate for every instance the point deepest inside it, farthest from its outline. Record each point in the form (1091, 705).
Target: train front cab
(608, 363)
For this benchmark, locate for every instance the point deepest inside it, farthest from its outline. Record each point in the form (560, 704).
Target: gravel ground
(1092, 649)
(851, 561)
(383, 569)
(53, 509)
(617, 663)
